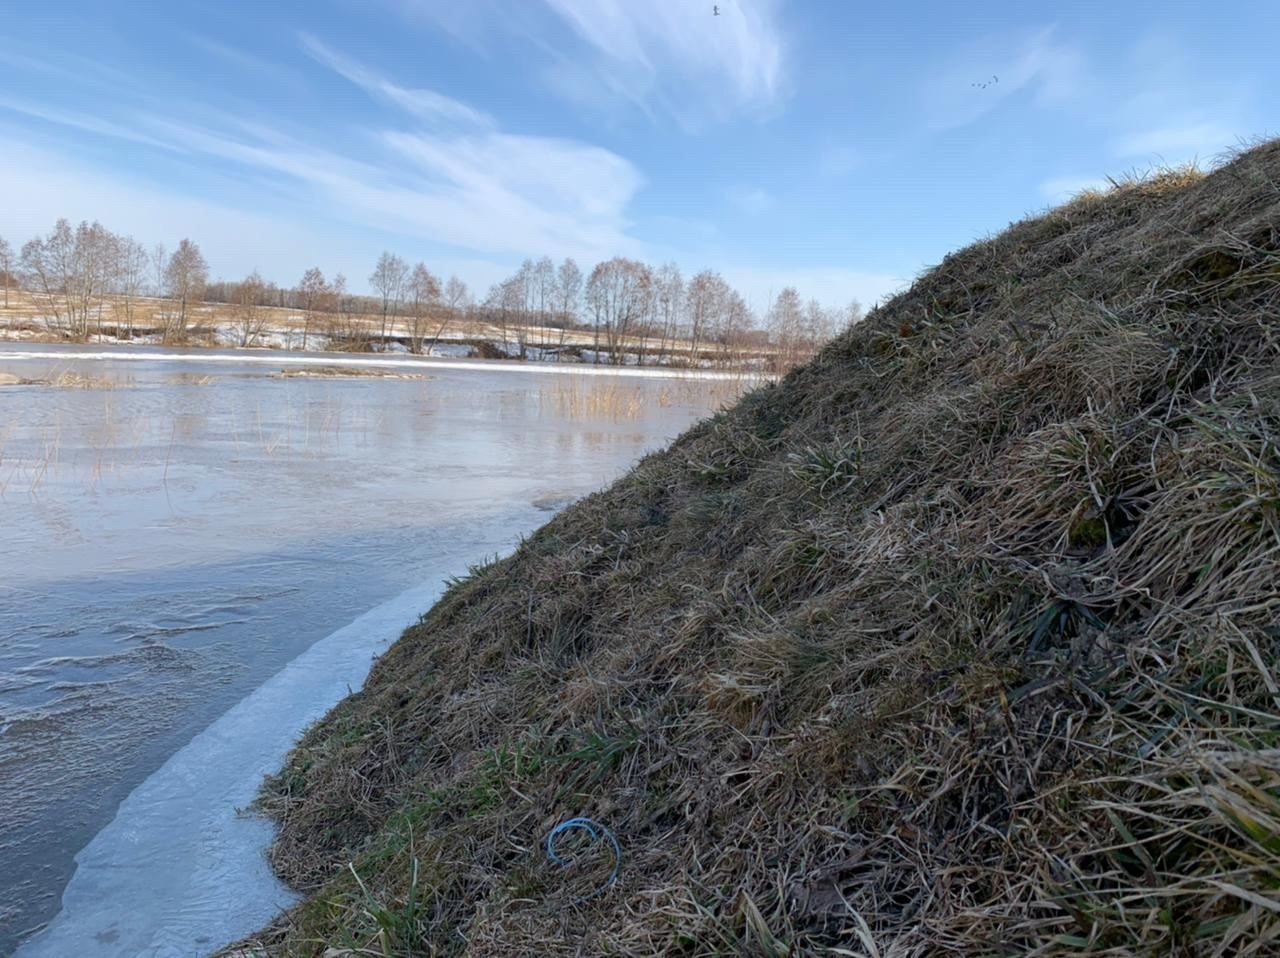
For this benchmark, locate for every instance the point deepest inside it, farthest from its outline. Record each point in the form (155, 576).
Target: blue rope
(595, 830)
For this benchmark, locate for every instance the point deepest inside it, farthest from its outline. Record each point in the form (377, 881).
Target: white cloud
(661, 56)
(662, 46)
(450, 177)
(425, 104)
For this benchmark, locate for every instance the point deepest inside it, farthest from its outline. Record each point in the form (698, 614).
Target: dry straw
(962, 639)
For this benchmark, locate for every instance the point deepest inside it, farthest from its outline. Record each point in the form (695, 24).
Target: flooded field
(199, 556)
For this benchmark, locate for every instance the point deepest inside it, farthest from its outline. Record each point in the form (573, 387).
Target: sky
(839, 147)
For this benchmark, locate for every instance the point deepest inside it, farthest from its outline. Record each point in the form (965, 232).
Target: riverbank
(214, 326)
(959, 640)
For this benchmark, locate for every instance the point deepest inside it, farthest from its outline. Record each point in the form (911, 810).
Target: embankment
(962, 639)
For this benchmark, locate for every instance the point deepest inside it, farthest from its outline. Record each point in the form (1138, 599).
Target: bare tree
(388, 280)
(852, 314)
(736, 322)
(618, 295)
(785, 321)
(184, 277)
(458, 299)
(668, 304)
(250, 298)
(311, 293)
(70, 271)
(568, 296)
(424, 297)
(159, 264)
(705, 299)
(6, 268)
(542, 295)
(130, 276)
(345, 329)
(456, 294)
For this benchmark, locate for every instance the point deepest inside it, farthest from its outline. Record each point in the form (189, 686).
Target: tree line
(90, 280)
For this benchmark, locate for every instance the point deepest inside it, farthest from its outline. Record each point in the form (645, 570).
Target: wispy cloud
(447, 174)
(424, 104)
(662, 47)
(663, 57)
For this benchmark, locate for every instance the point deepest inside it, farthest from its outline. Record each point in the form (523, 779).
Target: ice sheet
(180, 871)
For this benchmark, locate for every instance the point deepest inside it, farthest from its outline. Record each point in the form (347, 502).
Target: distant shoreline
(16, 349)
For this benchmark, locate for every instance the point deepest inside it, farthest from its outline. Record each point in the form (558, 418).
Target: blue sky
(838, 147)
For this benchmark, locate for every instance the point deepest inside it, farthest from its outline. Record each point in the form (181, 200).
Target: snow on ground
(420, 363)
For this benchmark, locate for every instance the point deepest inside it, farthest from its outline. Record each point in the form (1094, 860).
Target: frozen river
(198, 558)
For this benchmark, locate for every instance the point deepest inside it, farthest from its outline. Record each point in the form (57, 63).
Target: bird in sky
(715, 11)
(984, 84)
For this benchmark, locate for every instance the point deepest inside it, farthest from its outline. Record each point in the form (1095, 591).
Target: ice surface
(180, 871)
(172, 543)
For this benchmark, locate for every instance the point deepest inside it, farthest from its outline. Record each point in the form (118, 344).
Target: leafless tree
(542, 295)
(705, 299)
(184, 277)
(70, 271)
(785, 321)
(456, 294)
(388, 281)
(424, 298)
(345, 329)
(668, 304)
(312, 291)
(618, 295)
(7, 266)
(159, 264)
(129, 279)
(250, 310)
(568, 291)
(736, 322)
(457, 299)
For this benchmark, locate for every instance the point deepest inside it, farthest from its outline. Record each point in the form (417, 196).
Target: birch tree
(568, 296)
(705, 299)
(250, 309)
(185, 278)
(388, 281)
(424, 298)
(130, 277)
(311, 293)
(70, 271)
(617, 294)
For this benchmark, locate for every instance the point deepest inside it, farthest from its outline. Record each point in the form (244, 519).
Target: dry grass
(343, 372)
(961, 640)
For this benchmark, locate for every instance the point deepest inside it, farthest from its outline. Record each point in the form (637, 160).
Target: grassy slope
(962, 639)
